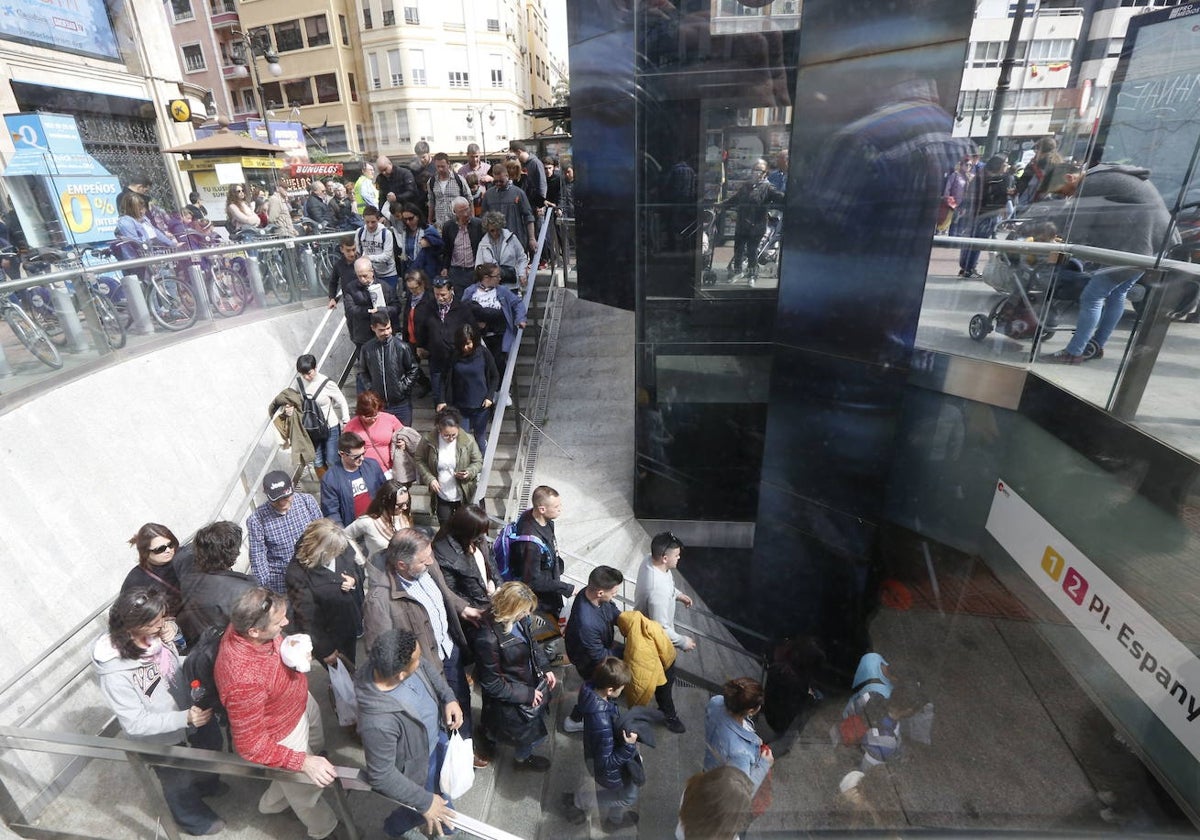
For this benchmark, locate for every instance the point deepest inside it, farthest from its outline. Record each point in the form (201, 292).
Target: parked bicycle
(103, 291)
(270, 263)
(228, 289)
(34, 338)
(170, 299)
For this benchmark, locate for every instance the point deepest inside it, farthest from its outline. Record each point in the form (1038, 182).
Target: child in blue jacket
(608, 751)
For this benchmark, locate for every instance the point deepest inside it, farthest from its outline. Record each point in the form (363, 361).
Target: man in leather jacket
(390, 368)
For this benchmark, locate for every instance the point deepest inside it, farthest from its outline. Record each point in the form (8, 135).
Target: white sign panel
(1156, 665)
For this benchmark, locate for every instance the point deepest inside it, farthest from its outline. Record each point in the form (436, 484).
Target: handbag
(529, 711)
(421, 385)
(345, 700)
(458, 767)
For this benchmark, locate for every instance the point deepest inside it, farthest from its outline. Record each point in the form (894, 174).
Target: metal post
(1142, 352)
(292, 264)
(309, 266)
(1005, 80)
(135, 301)
(200, 292)
(151, 785)
(255, 277)
(68, 317)
(86, 302)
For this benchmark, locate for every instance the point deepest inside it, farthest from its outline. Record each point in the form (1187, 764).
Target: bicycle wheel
(110, 322)
(323, 261)
(276, 278)
(223, 293)
(32, 336)
(47, 319)
(172, 303)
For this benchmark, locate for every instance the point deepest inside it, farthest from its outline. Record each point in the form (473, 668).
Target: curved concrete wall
(153, 438)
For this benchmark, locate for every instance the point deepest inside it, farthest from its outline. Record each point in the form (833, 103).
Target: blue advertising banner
(86, 206)
(78, 26)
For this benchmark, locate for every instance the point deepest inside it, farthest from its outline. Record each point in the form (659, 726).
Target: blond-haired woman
(514, 674)
(325, 586)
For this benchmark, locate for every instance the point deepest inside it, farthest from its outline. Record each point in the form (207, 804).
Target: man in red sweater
(273, 718)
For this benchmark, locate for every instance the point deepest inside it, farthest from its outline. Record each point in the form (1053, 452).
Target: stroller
(1037, 294)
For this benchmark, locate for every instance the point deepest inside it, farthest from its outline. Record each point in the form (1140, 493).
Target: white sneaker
(571, 726)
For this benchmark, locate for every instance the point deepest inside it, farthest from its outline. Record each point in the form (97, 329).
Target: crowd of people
(440, 615)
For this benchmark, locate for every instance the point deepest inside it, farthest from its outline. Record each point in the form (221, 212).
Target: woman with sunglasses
(389, 512)
(238, 212)
(142, 680)
(156, 546)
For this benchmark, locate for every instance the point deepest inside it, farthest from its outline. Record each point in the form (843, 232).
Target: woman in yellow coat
(648, 653)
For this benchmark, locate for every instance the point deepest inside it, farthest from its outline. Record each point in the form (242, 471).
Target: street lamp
(472, 110)
(259, 46)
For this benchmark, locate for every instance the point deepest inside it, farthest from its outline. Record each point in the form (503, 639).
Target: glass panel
(287, 36)
(317, 30)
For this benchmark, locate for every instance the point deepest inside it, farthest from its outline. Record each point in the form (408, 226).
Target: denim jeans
(326, 453)
(614, 802)
(403, 819)
(402, 412)
(476, 421)
(456, 676)
(1101, 305)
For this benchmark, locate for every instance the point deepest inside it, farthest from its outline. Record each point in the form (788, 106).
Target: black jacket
(508, 667)
(544, 578)
(321, 609)
(437, 336)
(356, 300)
(208, 600)
(317, 210)
(450, 233)
(390, 369)
(400, 181)
(462, 573)
(343, 272)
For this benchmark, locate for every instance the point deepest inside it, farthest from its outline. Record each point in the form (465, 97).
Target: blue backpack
(503, 546)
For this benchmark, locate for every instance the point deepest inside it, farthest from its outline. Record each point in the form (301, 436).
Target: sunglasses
(357, 457)
(162, 549)
(441, 283)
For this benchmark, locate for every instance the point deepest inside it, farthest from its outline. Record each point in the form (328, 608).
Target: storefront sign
(322, 170)
(209, 163)
(87, 207)
(1163, 672)
(79, 26)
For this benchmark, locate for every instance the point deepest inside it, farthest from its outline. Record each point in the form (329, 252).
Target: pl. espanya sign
(1157, 667)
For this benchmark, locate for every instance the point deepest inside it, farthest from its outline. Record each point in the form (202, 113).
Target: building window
(299, 93)
(287, 36)
(367, 18)
(402, 132)
(381, 130)
(362, 137)
(497, 77)
(459, 79)
(412, 15)
(389, 13)
(393, 58)
(327, 88)
(332, 139)
(182, 10)
(248, 104)
(373, 69)
(317, 30)
(272, 95)
(353, 87)
(416, 65)
(344, 30)
(193, 58)
(425, 124)
(493, 25)
(222, 7)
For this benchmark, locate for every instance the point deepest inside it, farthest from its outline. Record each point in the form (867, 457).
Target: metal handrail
(502, 398)
(721, 642)
(231, 488)
(210, 761)
(1086, 252)
(175, 256)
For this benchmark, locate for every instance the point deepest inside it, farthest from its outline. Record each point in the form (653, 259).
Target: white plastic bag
(458, 768)
(345, 701)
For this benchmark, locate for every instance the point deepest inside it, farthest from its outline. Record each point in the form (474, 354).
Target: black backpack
(311, 417)
(198, 669)
(995, 192)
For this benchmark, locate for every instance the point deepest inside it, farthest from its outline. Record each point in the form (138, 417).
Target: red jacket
(264, 698)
